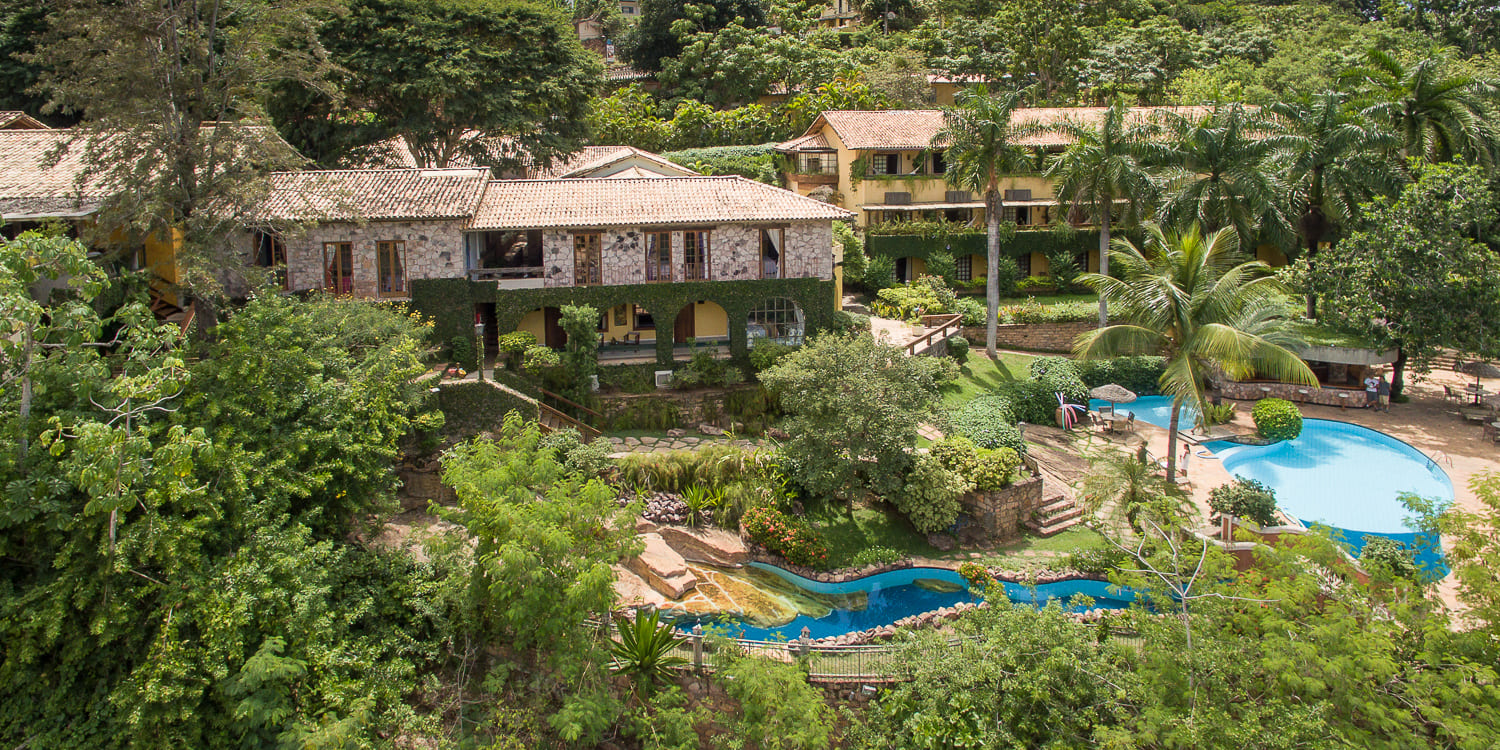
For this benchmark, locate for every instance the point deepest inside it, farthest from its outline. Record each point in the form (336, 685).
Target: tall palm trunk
(992, 208)
(1172, 440)
(1103, 265)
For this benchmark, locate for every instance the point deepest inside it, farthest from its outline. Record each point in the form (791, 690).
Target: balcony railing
(517, 277)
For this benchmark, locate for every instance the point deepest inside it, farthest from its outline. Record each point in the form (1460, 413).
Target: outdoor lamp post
(479, 343)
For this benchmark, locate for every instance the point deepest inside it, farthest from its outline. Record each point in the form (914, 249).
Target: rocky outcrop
(712, 546)
(662, 567)
(632, 591)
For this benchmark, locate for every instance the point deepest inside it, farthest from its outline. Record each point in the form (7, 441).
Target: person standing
(1383, 393)
(1372, 391)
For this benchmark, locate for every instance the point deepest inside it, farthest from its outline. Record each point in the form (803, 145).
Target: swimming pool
(1156, 410)
(897, 594)
(1343, 476)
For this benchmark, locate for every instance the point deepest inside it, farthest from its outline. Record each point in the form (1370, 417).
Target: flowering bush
(786, 535)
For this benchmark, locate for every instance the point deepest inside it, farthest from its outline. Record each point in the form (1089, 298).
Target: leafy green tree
(1216, 172)
(544, 541)
(23, 23)
(580, 357)
(1102, 175)
(779, 710)
(1434, 115)
(315, 397)
(169, 94)
(1414, 276)
(1139, 60)
(1188, 298)
(738, 64)
(1472, 539)
(1333, 163)
(498, 82)
(854, 406)
(983, 145)
(628, 117)
(845, 91)
(665, 23)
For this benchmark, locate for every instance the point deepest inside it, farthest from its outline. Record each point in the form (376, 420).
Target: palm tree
(1332, 161)
(1102, 170)
(1435, 117)
(1192, 301)
(981, 144)
(1216, 172)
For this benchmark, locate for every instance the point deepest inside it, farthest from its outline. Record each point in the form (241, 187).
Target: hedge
(1141, 375)
(449, 303)
(1277, 419)
(1025, 242)
(471, 407)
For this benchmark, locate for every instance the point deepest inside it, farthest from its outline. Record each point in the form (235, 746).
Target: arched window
(778, 319)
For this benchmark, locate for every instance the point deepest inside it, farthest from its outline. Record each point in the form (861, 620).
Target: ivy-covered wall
(472, 407)
(449, 303)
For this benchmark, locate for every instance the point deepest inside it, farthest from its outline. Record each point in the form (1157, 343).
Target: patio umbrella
(1114, 394)
(1480, 370)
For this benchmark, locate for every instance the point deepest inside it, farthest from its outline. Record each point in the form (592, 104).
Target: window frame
(581, 275)
(658, 242)
(636, 312)
(272, 242)
(880, 163)
(699, 241)
(963, 268)
(396, 248)
(342, 251)
(780, 253)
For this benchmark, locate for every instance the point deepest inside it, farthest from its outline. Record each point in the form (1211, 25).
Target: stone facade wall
(998, 515)
(434, 250)
(1254, 391)
(1032, 337)
(693, 407)
(734, 253)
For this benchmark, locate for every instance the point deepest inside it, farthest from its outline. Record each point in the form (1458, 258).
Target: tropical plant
(930, 499)
(699, 501)
(1193, 302)
(1277, 419)
(1124, 487)
(1331, 161)
(1103, 177)
(1215, 414)
(1434, 116)
(644, 651)
(1216, 172)
(981, 144)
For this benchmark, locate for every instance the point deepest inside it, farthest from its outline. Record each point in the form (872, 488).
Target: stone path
(649, 444)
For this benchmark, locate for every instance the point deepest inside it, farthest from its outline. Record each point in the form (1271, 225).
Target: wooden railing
(553, 419)
(578, 409)
(942, 326)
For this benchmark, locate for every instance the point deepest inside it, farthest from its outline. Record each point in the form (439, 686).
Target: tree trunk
(1103, 266)
(992, 208)
(1398, 374)
(1172, 441)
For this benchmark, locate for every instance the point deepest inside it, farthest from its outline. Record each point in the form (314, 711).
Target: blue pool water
(1156, 410)
(894, 595)
(1345, 477)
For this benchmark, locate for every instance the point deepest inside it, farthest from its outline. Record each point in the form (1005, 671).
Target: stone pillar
(698, 647)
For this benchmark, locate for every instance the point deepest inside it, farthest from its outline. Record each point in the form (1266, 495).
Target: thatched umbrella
(1114, 394)
(1479, 369)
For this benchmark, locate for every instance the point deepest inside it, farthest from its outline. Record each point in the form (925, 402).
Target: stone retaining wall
(1254, 391)
(693, 407)
(1032, 337)
(998, 515)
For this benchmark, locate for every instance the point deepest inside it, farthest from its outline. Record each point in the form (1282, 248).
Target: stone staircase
(1057, 511)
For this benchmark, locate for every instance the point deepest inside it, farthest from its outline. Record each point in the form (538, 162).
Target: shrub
(928, 295)
(958, 349)
(844, 321)
(1277, 419)
(972, 310)
(1142, 374)
(977, 575)
(1062, 266)
(1217, 414)
(1044, 366)
(1382, 553)
(717, 466)
(767, 352)
(538, 359)
(627, 378)
(988, 421)
(786, 535)
(518, 341)
(942, 265)
(1035, 401)
(576, 456)
(645, 414)
(1032, 311)
(1006, 274)
(707, 370)
(930, 498)
(994, 469)
(461, 350)
(876, 556)
(1245, 498)
(1033, 283)
(956, 453)
(1095, 560)
(880, 273)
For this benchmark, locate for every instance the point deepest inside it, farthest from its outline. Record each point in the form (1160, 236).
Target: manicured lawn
(1078, 537)
(849, 531)
(981, 375)
(1051, 299)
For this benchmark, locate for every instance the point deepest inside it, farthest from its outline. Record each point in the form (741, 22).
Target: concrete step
(1052, 529)
(1054, 505)
(1059, 516)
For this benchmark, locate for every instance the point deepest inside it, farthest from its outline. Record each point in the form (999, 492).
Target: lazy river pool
(882, 599)
(1346, 477)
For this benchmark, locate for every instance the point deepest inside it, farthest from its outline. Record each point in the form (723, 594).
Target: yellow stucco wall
(534, 323)
(710, 320)
(618, 331)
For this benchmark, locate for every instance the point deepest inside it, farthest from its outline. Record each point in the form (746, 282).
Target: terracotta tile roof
(373, 195)
(809, 142)
(595, 158)
(14, 119)
(30, 190)
(914, 129)
(634, 202)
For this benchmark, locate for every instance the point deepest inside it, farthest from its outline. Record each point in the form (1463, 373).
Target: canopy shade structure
(1115, 394)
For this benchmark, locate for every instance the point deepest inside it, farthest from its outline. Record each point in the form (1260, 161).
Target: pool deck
(1428, 422)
